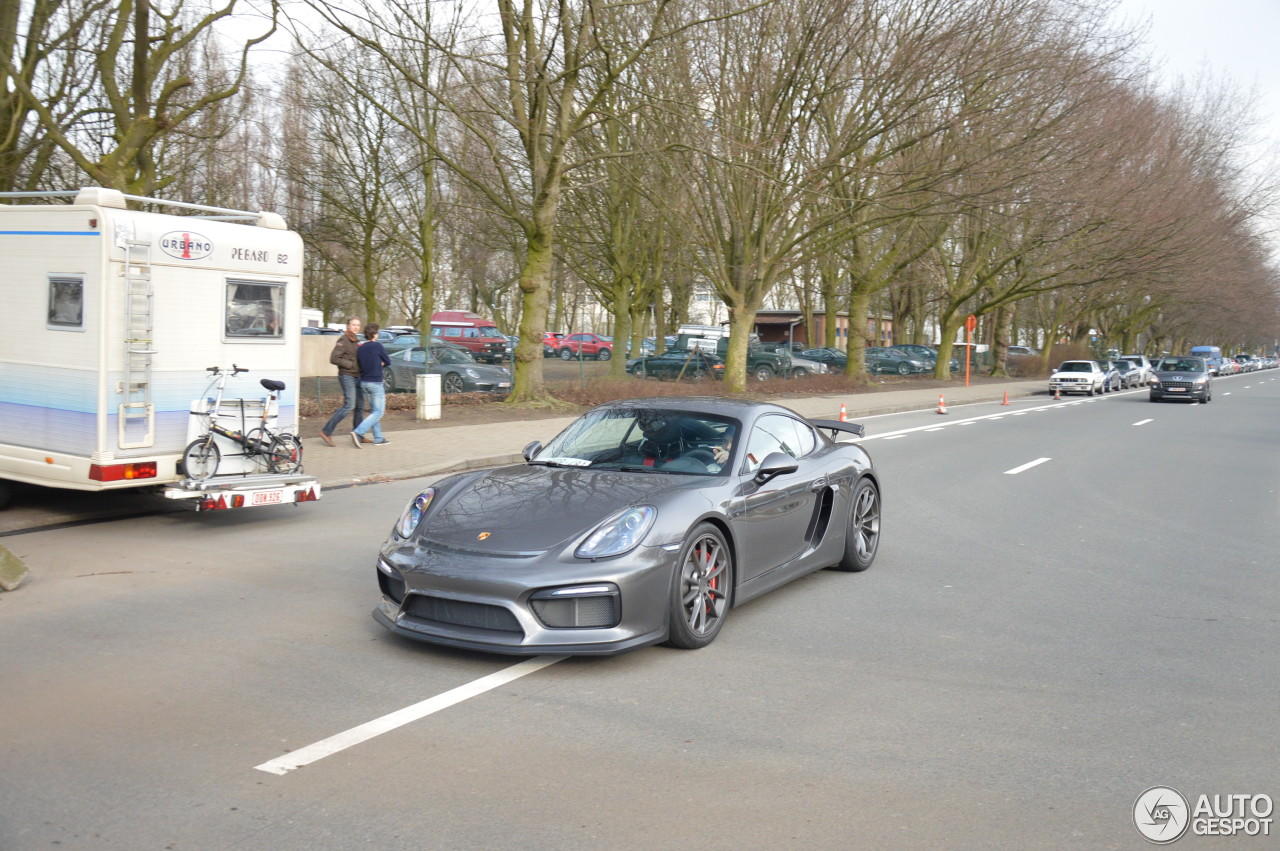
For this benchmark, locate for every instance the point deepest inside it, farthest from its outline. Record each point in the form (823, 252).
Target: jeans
(351, 401)
(376, 393)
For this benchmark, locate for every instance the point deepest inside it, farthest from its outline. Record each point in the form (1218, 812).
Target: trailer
(114, 317)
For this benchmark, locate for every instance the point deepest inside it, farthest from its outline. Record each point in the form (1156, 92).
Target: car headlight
(471, 373)
(412, 514)
(619, 534)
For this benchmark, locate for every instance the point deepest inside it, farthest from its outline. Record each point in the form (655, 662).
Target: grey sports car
(644, 521)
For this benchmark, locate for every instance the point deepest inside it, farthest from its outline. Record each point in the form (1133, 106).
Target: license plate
(504, 384)
(1177, 389)
(268, 497)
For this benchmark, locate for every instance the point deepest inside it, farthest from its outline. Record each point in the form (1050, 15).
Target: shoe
(382, 442)
(355, 438)
(367, 439)
(327, 439)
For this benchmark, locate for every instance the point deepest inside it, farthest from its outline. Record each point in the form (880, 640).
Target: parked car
(832, 358)
(583, 345)
(404, 341)
(326, 331)
(1182, 378)
(677, 364)
(458, 371)
(926, 354)
(473, 332)
(551, 343)
(1228, 367)
(1130, 374)
(1245, 362)
(584, 549)
(1114, 381)
(1078, 376)
(1022, 352)
(802, 366)
(1142, 364)
(896, 361)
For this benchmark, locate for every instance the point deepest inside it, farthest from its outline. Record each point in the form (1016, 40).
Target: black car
(676, 364)
(1182, 378)
(644, 521)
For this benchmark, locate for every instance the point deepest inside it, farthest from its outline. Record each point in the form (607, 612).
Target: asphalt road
(1036, 645)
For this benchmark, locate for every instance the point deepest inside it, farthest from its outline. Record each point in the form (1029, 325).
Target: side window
(66, 303)
(470, 332)
(436, 332)
(418, 356)
(778, 433)
(254, 309)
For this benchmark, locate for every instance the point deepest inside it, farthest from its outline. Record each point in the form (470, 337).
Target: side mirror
(531, 451)
(775, 464)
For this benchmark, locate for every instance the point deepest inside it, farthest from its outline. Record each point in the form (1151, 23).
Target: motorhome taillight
(122, 472)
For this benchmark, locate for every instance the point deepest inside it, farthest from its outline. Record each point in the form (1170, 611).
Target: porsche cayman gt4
(644, 521)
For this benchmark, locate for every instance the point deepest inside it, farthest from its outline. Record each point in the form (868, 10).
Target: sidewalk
(436, 451)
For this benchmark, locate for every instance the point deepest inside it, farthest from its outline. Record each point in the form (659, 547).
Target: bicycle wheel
(200, 459)
(285, 454)
(258, 447)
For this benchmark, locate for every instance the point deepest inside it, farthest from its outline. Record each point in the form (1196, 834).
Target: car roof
(737, 408)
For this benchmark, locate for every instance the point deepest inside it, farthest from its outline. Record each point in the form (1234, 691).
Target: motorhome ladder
(136, 407)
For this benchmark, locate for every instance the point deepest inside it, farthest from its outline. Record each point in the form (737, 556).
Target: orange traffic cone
(1057, 394)
(1006, 398)
(844, 413)
(942, 405)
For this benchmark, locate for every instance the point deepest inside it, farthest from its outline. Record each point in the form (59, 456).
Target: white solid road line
(1143, 422)
(387, 723)
(1016, 470)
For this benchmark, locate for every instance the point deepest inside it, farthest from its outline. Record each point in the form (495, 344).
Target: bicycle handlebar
(235, 370)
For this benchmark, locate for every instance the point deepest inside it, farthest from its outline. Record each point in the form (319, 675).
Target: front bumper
(1085, 387)
(483, 602)
(1180, 391)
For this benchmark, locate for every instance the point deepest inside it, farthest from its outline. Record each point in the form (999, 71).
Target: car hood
(529, 509)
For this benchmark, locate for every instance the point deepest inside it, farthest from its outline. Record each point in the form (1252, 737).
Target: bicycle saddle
(272, 384)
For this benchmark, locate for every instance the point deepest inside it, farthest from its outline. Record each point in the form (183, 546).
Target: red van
(478, 335)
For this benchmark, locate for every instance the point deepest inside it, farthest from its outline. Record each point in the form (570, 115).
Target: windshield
(447, 354)
(1181, 365)
(490, 332)
(644, 440)
(1076, 366)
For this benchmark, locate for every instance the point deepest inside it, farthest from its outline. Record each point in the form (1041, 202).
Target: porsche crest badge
(483, 535)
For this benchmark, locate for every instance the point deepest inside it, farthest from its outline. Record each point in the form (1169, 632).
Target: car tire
(763, 373)
(388, 382)
(452, 383)
(200, 459)
(700, 589)
(862, 535)
(799, 372)
(904, 369)
(604, 354)
(565, 354)
(1153, 398)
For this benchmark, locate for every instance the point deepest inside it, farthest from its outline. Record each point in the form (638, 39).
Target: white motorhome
(113, 317)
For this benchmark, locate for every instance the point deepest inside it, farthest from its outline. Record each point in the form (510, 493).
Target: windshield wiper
(633, 468)
(559, 464)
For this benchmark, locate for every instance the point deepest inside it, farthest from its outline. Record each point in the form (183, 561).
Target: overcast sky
(1237, 38)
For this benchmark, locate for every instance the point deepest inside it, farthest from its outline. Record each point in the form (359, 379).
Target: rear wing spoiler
(856, 429)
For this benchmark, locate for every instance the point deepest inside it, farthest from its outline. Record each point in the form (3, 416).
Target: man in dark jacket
(344, 358)
(372, 358)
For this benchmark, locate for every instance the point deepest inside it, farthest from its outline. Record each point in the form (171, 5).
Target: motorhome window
(254, 309)
(66, 302)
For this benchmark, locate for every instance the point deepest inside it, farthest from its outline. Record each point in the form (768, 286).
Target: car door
(771, 520)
